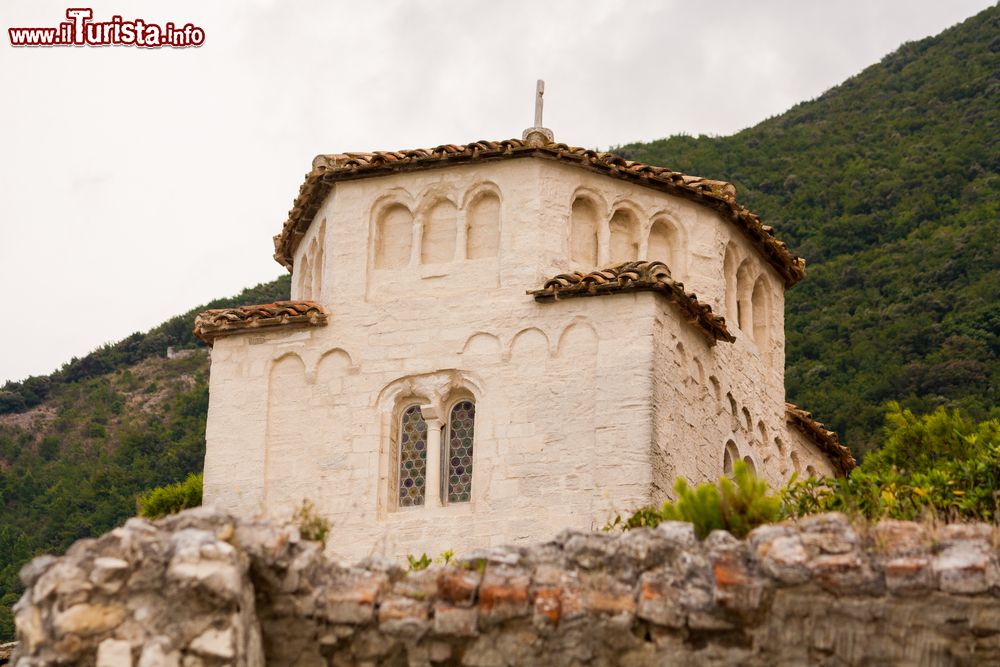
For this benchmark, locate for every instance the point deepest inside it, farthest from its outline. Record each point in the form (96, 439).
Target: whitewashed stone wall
(585, 407)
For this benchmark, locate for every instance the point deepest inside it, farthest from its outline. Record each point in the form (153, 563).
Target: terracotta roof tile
(718, 195)
(826, 440)
(636, 276)
(211, 324)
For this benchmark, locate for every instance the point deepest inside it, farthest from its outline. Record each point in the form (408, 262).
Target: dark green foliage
(170, 499)
(113, 435)
(738, 505)
(175, 332)
(889, 185)
(940, 464)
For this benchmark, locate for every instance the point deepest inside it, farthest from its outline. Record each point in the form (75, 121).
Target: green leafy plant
(738, 505)
(418, 564)
(425, 561)
(172, 498)
(312, 526)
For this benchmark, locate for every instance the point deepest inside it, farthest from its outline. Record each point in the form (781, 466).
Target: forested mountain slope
(100, 430)
(889, 186)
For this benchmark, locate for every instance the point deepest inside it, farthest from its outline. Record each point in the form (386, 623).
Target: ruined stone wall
(202, 589)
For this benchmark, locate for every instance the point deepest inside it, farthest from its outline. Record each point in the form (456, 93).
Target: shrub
(738, 505)
(164, 500)
(311, 525)
(940, 464)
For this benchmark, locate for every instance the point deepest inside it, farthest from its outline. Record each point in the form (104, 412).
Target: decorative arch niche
(624, 239)
(744, 290)
(666, 244)
(393, 237)
(305, 278)
(761, 308)
(729, 267)
(440, 227)
(316, 251)
(583, 232)
(287, 391)
(729, 457)
(483, 221)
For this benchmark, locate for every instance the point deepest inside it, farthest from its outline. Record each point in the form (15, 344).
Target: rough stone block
(503, 593)
(455, 621)
(114, 653)
(458, 585)
(965, 567)
(908, 574)
(400, 615)
(350, 598)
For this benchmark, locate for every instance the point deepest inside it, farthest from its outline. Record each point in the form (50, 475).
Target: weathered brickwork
(206, 589)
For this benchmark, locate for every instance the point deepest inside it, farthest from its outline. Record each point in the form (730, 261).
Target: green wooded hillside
(119, 421)
(889, 186)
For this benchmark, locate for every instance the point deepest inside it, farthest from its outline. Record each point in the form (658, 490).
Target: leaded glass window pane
(461, 431)
(412, 457)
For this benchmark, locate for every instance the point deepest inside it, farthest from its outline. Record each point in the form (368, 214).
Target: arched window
(412, 457)
(458, 447)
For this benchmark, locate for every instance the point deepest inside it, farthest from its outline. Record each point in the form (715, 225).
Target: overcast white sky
(136, 184)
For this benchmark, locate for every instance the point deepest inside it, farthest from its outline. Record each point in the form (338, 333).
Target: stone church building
(492, 342)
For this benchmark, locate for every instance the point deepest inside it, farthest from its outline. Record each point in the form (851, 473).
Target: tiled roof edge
(828, 441)
(637, 276)
(718, 195)
(214, 323)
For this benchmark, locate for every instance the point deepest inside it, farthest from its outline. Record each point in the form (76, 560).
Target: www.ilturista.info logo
(80, 30)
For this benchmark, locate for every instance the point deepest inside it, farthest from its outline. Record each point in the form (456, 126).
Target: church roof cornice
(827, 441)
(717, 195)
(635, 277)
(218, 322)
